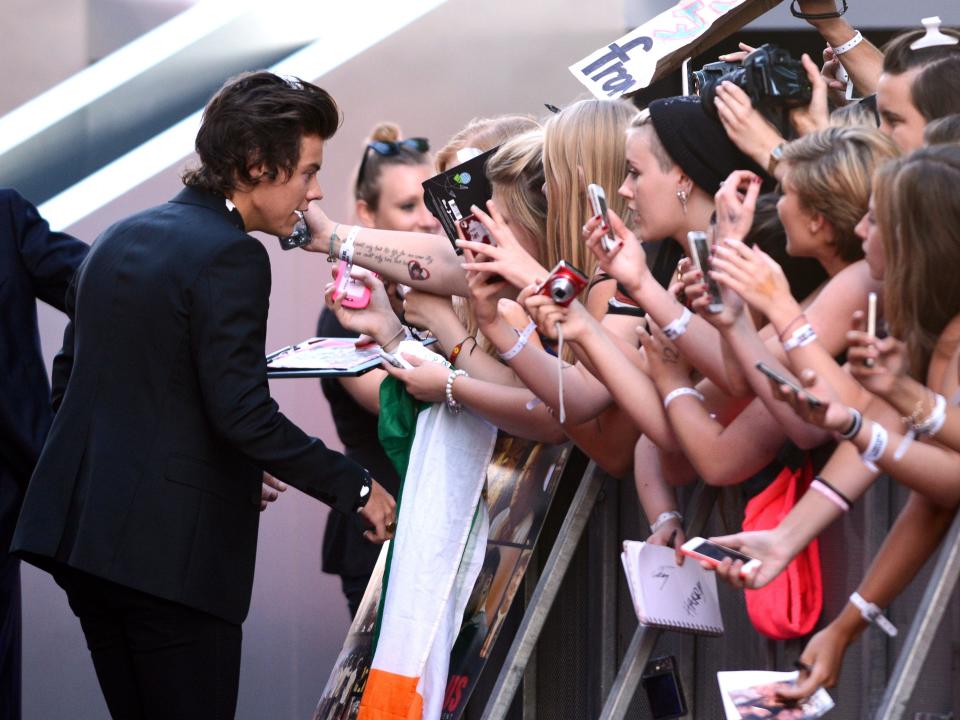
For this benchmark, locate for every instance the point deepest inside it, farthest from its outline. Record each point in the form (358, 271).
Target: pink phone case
(356, 295)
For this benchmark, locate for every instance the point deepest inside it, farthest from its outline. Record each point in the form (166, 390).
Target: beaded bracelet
(452, 405)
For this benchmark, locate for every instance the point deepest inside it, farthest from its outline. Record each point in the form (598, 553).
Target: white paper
(667, 595)
(628, 64)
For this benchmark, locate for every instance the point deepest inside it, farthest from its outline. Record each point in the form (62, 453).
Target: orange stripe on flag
(389, 696)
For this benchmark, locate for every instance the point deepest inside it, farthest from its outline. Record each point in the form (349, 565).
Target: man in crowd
(144, 504)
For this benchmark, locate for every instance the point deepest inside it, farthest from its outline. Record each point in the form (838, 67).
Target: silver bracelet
(873, 614)
(453, 405)
(663, 518)
(678, 392)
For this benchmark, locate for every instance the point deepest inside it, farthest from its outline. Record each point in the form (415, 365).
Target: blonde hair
(484, 134)
(918, 210)
(589, 136)
(831, 171)
(517, 169)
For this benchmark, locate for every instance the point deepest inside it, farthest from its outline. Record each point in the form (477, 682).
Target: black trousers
(154, 658)
(10, 637)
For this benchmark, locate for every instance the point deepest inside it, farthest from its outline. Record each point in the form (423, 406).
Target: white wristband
(676, 328)
(872, 614)
(346, 250)
(804, 335)
(678, 392)
(519, 344)
(663, 518)
(876, 447)
(849, 44)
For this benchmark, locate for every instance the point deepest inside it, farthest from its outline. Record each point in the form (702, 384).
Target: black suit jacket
(34, 264)
(150, 477)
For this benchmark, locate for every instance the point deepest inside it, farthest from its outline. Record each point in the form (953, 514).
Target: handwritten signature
(694, 600)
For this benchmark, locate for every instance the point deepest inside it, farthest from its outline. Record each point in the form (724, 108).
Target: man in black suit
(35, 264)
(144, 503)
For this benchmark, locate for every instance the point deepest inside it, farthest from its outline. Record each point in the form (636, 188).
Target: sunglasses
(386, 148)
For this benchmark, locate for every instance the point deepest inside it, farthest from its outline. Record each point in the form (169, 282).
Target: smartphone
(700, 249)
(475, 231)
(812, 401)
(391, 359)
(563, 284)
(714, 554)
(299, 237)
(598, 201)
(872, 314)
(356, 295)
(661, 681)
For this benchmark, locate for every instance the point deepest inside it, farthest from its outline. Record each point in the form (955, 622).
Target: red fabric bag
(790, 606)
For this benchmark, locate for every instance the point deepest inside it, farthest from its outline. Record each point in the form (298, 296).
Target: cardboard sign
(660, 45)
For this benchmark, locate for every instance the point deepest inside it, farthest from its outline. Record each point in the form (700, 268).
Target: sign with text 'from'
(660, 45)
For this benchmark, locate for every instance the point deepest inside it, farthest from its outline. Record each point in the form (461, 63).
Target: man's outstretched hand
(380, 513)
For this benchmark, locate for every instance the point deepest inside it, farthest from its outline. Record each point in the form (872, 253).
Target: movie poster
(521, 482)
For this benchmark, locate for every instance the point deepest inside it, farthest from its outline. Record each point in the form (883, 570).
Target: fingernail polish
(605, 227)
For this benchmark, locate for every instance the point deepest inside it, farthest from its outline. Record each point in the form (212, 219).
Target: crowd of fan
(658, 380)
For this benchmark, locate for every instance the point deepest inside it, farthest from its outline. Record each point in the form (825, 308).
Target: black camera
(770, 76)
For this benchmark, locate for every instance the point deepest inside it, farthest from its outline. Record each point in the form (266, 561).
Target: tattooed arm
(426, 262)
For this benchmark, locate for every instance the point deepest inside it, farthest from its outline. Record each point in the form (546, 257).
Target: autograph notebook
(664, 595)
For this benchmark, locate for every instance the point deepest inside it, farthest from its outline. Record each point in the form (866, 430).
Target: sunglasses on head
(386, 148)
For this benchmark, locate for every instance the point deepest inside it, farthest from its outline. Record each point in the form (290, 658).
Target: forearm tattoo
(383, 255)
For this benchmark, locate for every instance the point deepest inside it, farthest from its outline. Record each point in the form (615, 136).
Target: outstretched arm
(426, 262)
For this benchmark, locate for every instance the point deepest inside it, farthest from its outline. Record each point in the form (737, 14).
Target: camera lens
(562, 290)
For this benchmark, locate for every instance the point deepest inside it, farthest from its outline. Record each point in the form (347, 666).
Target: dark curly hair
(258, 119)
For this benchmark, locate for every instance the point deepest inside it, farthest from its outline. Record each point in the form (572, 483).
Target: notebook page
(684, 598)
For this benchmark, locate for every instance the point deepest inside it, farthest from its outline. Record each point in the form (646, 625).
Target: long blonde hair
(918, 209)
(588, 136)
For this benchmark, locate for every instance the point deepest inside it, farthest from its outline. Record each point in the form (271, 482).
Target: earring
(682, 197)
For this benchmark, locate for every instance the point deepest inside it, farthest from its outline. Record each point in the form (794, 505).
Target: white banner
(629, 63)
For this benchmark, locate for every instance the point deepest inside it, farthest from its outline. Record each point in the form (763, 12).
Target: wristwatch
(365, 487)
(776, 155)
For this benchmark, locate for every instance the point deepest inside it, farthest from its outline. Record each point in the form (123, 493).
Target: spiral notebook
(669, 596)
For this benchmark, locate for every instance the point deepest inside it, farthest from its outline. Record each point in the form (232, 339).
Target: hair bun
(385, 132)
